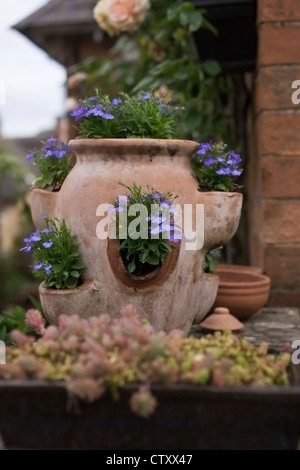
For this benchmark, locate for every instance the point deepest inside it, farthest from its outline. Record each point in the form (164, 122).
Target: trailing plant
(145, 240)
(56, 258)
(125, 116)
(54, 162)
(216, 167)
(211, 260)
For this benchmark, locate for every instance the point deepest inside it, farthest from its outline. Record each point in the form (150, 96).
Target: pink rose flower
(117, 16)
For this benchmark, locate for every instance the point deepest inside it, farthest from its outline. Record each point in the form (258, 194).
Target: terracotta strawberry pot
(173, 297)
(208, 293)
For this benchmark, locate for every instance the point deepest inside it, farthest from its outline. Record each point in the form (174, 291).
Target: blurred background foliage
(162, 56)
(17, 283)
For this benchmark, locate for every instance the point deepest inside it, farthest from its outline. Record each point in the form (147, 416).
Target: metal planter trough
(40, 415)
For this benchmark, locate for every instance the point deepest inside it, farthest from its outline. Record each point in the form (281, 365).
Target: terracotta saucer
(221, 319)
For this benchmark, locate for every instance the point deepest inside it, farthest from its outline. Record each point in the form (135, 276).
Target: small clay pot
(79, 301)
(242, 292)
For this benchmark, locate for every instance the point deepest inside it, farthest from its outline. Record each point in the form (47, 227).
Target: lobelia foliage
(55, 254)
(54, 162)
(148, 242)
(212, 259)
(142, 116)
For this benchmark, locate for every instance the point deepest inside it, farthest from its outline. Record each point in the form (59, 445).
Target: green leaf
(221, 186)
(211, 67)
(3, 334)
(75, 274)
(78, 265)
(35, 302)
(154, 248)
(57, 268)
(144, 255)
(192, 18)
(207, 25)
(71, 283)
(168, 248)
(153, 259)
(48, 179)
(131, 266)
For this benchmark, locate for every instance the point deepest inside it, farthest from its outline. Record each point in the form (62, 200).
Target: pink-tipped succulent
(105, 353)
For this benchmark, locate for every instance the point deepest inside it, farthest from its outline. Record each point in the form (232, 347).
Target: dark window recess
(235, 46)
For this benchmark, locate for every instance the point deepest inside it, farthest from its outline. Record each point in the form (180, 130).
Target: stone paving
(276, 326)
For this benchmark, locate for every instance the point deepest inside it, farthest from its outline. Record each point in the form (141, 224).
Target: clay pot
(242, 292)
(172, 298)
(77, 301)
(237, 267)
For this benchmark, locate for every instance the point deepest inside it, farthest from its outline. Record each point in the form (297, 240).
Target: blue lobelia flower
(116, 101)
(48, 244)
(146, 96)
(79, 113)
(48, 269)
(38, 266)
(209, 161)
(204, 147)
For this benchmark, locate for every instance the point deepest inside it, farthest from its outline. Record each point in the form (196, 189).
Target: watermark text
(296, 94)
(134, 222)
(2, 353)
(296, 354)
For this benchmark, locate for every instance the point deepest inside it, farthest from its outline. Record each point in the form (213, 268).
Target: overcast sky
(33, 81)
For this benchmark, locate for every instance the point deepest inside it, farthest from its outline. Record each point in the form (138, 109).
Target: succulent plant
(101, 353)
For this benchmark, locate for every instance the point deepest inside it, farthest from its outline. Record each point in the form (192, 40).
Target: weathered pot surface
(78, 301)
(208, 293)
(171, 299)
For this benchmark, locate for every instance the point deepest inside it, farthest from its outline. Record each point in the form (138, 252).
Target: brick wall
(274, 176)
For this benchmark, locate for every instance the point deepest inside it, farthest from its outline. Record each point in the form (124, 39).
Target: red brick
(282, 264)
(280, 177)
(280, 222)
(278, 10)
(278, 44)
(278, 134)
(284, 298)
(274, 87)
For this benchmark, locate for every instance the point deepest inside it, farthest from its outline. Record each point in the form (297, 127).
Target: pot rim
(254, 279)
(116, 140)
(85, 285)
(290, 390)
